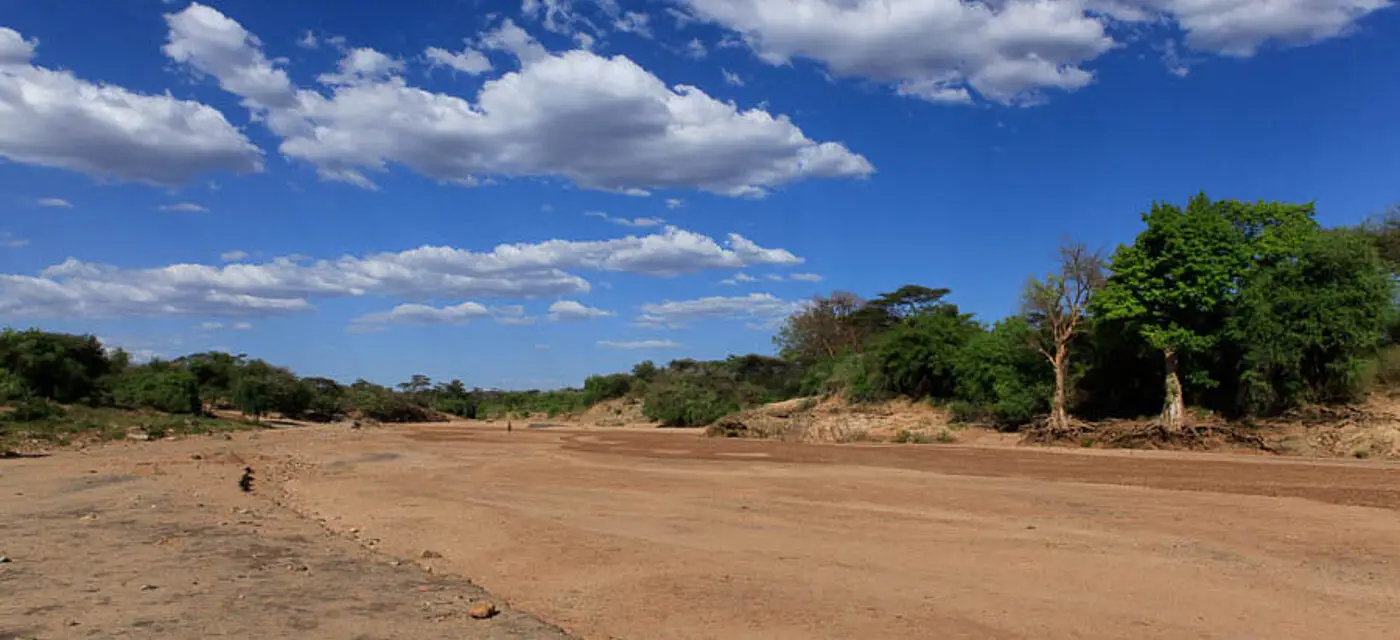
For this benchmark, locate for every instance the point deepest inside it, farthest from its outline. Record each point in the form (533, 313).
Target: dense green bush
(686, 403)
(60, 367)
(33, 410)
(1000, 378)
(160, 387)
(606, 387)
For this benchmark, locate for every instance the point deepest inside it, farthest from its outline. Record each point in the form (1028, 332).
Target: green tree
(1308, 324)
(55, 366)
(1001, 376)
(917, 357)
(1177, 283)
(160, 386)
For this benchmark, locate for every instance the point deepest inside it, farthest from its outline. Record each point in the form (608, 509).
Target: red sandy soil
(666, 534)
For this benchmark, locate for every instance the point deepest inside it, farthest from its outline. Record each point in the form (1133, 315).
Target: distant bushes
(160, 388)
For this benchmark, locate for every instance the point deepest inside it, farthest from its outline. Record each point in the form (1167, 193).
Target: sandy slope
(651, 534)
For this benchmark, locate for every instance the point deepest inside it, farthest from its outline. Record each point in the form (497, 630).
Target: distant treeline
(1243, 309)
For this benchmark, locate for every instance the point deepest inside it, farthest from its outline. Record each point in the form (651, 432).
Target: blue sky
(520, 194)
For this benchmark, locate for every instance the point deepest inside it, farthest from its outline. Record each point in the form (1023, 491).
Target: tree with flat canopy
(1178, 283)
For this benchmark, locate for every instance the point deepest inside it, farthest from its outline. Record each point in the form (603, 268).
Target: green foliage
(381, 403)
(686, 403)
(1306, 326)
(606, 387)
(60, 367)
(159, 386)
(1001, 378)
(918, 355)
(694, 393)
(33, 410)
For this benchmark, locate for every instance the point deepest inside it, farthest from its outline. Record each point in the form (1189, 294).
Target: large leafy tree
(1307, 324)
(1177, 284)
(1056, 305)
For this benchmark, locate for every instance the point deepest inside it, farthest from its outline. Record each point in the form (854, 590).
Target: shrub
(158, 388)
(34, 410)
(683, 403)
(599, 388)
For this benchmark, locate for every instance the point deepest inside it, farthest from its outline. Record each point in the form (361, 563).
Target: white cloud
(732, 79)
(308, 41)
(54, 119)
(211, 326)
(674, 203)
(9, 240)
(601, 122)
(753, 306)
(569, 310)
(695, 49)
(469, 61)
(55, 202)
(184, 207)
(627, 222)
(634, 22)
(361, 65)
(1239, 28)
(233, 256)
(287, 284)
(241, 326)
(424, 314)
(640, 344)
(738, 277)
(1007, 51)
(805, 277)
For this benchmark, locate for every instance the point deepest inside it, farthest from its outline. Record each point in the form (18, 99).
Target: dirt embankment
(1368, 430)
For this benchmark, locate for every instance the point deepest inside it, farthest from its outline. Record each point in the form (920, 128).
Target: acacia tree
(823, 329)
(1057, 305)
(1178, 282)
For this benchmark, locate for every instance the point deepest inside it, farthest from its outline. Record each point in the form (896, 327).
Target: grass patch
(78, 423)
(905, 436)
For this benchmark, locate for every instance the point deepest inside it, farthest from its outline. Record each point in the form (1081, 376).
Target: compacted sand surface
(653, 534)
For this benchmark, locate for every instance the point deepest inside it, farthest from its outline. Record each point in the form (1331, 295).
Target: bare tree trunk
(1173, 407)
(1059, 418)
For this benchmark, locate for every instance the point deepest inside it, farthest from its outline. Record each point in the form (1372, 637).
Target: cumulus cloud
(805, 277)
(569, 310)
(468, 61)
(738, 278)
(55, 119)
(425, 314)
(288, 284)
(732, 79)
(184, 207)
(674, 203)
(600, 122)
(755, 306)
(627, 222)
(233, 256)
(55, 202)
(1239, 28)
(1008, 51)
(640, 344)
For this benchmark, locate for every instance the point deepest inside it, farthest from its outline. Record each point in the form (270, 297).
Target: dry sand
(657, 534)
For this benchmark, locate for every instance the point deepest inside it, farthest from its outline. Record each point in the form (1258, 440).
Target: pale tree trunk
(1059, 418)
(1173, 408)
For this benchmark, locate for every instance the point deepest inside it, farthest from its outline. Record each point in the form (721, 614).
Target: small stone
(149, 587)
(90, 516)
(196, 457)
(5, 559)
(354, 531)
(428, 555)
(394, 563)
(1030, 527)
(482, 610)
